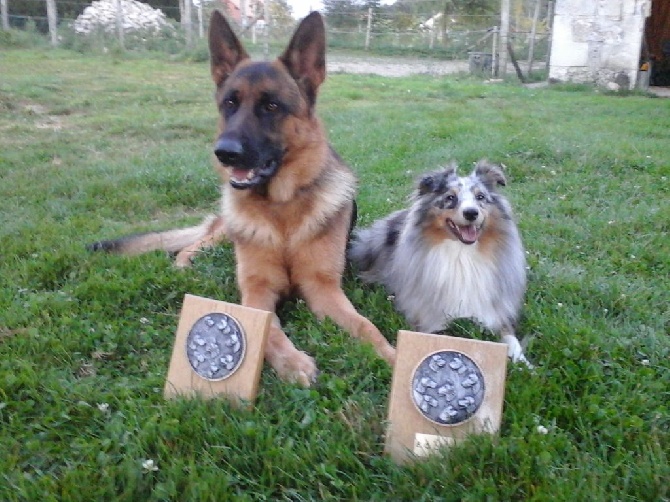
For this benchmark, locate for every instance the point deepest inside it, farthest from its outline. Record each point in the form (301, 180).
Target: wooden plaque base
(241, 386)
(410, 434)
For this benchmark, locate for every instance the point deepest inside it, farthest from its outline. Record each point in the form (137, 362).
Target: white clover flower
(104, 407)
(541, 429)
(149, 465)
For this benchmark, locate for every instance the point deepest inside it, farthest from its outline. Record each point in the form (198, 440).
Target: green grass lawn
(95, 148)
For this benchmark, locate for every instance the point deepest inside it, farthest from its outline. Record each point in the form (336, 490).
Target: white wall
(598, 41)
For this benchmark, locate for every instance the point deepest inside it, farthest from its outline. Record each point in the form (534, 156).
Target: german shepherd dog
(455, 253)
(287, 197)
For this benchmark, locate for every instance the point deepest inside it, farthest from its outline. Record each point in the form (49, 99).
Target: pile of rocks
(136, 16)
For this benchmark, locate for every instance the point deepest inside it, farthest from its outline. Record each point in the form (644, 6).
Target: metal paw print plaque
(447, 387)
(215, 346)
(444, 389)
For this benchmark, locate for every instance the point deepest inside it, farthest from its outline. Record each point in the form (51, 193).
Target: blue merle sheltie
(454, 253)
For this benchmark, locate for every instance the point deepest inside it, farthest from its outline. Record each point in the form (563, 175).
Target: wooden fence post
(201, 26)
(52, 18)
(367, 31)
(533, 29)
(119, 23)
(188, 25)
(266, 31)
(5, 14)
(495, 60)
(504, 36)
(550, 28)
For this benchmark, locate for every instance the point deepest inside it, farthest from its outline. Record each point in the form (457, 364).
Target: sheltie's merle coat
(454, 253)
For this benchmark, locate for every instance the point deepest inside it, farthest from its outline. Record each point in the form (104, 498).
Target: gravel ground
(400, 67)
(393, 67)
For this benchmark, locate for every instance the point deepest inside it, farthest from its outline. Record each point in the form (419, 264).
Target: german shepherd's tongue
(242, 174)
(241, 178)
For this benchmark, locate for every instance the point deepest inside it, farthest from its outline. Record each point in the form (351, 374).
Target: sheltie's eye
(480, 196)
(450, 198)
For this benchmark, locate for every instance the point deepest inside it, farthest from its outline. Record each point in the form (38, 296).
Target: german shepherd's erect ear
(225, 49)
(305, 56)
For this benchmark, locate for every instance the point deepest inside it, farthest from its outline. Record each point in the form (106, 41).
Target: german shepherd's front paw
(297, 368)
(184, 259)
(388, 354)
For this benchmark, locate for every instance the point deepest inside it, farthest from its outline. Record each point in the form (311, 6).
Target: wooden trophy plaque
(443, 389)
(218, 351)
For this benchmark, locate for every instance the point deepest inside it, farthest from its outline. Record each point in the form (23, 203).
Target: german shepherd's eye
(271, 107)
(230, 104)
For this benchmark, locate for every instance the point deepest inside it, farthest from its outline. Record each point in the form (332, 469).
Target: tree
(344, 14)
(280, 14)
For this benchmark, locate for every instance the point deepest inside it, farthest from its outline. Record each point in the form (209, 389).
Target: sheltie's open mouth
(467, 234)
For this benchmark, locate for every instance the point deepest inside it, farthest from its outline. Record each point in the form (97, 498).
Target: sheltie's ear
(436, 181)
(490, 174)
(426, 184)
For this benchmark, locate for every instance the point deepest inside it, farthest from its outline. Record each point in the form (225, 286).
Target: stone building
(614, 43)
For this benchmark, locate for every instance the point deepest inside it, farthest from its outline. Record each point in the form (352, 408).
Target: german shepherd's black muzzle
(229, 151)
(252, 164)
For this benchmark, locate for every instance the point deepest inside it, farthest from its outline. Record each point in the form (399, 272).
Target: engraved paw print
(471, 380)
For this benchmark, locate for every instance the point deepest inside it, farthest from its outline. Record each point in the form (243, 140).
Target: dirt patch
(43, 119)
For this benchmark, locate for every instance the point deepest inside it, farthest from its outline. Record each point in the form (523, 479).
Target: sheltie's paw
(515, 352)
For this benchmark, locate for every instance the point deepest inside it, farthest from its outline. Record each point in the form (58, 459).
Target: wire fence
(472, 38)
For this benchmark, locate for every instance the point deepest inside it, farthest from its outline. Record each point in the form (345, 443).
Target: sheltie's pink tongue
(469, 233)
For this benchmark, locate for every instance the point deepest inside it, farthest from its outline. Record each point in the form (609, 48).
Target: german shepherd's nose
(229, 151)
